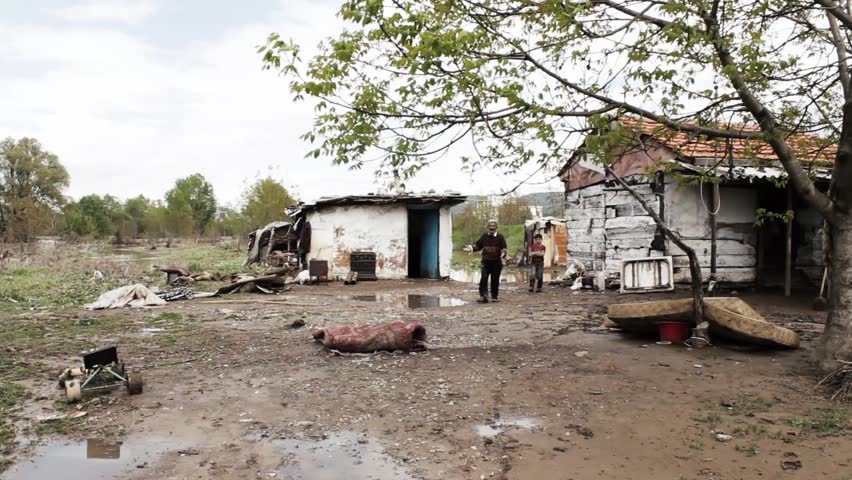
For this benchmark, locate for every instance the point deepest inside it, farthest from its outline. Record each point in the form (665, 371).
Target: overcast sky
(132, 94)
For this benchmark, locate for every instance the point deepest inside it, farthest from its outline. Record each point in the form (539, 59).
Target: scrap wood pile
(405, 336)
(183, 278)
(276, 281)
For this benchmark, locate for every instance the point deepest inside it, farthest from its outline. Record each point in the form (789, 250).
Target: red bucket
(675, 332)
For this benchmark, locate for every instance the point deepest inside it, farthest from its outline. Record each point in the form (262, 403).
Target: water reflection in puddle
(508, 275)
(502, 424)
(340, 455)
(412, 300)
(93, 459)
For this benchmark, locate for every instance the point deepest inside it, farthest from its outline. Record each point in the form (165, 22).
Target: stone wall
(606, 224)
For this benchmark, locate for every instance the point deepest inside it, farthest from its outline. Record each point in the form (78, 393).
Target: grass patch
(750, 430)
(10, 395)
(834, 422)
(166, 341)
(168, 317)
(748, 406)
(749, 450)
(64, 277)
(709, 419)
(58, 336)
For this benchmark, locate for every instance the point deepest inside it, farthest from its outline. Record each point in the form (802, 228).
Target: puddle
(505, 423)
(135, 255)
(152, 330)
(93, 459)
(508, 275)
(413, 300)
(340, 455)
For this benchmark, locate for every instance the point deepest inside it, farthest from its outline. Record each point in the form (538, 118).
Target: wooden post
(788, 263)
(713, 202)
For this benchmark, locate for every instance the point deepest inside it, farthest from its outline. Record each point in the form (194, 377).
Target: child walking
(537, 250)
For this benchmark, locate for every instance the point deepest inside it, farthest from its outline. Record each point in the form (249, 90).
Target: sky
(134, 94)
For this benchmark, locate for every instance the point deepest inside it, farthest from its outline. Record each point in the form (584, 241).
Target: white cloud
(125, 11)
(127, 117)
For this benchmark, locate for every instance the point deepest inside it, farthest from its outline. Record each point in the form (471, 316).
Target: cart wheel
(73, 391)
(134, 384)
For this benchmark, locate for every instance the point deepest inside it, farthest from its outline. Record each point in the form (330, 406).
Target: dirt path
(503, 394)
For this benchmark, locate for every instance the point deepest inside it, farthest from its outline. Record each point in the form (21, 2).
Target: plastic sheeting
(133, 296)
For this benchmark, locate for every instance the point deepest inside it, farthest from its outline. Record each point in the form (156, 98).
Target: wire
(718, 205)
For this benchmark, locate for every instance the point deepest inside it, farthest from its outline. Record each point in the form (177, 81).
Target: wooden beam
(788, 260)
(714, 199)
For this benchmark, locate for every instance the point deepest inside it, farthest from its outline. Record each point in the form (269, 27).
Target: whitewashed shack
(406, 235)
(720, 221)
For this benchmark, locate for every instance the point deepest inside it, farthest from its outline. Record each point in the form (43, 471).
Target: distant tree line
(32, 203)
(471, 221)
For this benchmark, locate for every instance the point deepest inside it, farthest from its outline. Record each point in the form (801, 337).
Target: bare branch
(838, 12)
(774, 136)
(632, 13)
(842, 64)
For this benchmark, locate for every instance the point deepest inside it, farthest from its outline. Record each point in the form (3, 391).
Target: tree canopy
(191, 202)
(31, 184)
(266, 201)
(519, 79)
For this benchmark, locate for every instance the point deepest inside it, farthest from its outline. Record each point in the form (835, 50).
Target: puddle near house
(93, 459)
(413, 300)
(505, 423)
(340, 455)
(508, 275)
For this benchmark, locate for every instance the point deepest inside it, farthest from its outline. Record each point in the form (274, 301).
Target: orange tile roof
(808, 148)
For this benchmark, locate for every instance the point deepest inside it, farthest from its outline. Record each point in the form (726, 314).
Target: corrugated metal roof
(755, 173)
(449, 198)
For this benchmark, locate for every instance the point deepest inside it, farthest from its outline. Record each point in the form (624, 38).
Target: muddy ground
(505, 392)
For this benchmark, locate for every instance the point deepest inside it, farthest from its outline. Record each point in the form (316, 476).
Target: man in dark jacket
(493, 247)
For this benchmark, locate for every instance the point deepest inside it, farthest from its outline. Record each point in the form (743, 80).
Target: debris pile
(276, 281)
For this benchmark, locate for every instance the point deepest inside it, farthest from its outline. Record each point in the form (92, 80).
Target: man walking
(493, 247)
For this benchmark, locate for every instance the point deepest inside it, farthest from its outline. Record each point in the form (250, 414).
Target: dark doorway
(772, 239)
(423, 243)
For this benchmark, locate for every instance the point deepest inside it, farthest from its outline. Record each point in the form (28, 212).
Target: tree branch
(632, 13)
(774, 137)
(837, 11)
(694, 266)
(842, 64)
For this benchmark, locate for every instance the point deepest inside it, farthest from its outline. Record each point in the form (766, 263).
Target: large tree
(520, 78)
(31, 184)
(191, 205)
(266, 201)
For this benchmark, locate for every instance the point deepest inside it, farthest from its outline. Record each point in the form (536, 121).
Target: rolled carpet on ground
(404, 336)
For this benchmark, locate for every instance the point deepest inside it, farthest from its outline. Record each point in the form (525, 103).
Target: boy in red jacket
(537, 250)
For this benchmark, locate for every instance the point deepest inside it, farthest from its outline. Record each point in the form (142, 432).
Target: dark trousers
(536, 275)
(490, 268)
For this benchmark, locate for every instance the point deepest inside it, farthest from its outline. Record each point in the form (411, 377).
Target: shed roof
(435, 199)
(808, 148)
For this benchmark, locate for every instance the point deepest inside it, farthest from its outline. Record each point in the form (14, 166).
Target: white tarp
(133, 296)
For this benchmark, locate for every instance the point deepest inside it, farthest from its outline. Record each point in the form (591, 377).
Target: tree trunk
(694, 266)
(837, 339)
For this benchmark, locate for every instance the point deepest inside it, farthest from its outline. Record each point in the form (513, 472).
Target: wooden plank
(788, 257)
